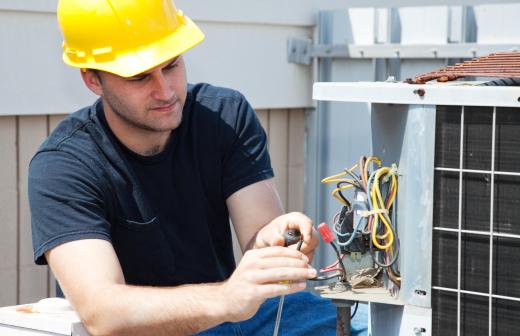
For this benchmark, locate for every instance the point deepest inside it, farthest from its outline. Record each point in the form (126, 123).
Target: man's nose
(161, 87)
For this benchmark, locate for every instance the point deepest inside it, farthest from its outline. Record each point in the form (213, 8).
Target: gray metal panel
(405, 134)
(384, 319)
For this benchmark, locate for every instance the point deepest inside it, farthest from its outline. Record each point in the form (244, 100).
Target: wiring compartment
(365, 229)
(405, 135)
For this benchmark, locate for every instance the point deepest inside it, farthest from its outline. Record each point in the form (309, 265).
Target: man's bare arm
(91, 278)
(257, 215)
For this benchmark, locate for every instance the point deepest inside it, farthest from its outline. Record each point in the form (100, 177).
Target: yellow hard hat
(124, 37)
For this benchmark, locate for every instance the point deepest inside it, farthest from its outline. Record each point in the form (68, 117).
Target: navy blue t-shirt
(166, 214)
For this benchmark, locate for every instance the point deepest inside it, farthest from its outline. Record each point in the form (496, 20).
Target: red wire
(332, 267)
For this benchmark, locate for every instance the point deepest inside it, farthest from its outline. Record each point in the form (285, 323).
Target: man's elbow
(99, 322)
(102, 315)
(105, 322)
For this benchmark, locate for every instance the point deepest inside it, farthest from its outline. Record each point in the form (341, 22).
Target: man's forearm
(109, 307)
(135, 310)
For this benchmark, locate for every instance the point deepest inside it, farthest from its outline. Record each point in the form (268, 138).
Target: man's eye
(136, 79)
(171, 66)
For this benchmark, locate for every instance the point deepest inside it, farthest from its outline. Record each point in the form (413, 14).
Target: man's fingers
(310, 255)
(297, 220)
(266, 263)
(280, 274)
(277, 251)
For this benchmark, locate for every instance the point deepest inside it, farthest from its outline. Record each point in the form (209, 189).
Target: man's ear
(92, 81)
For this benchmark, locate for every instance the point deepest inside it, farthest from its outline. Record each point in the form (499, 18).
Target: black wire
(326, 277)
(355, 177)
(355, 310)
(320, 278)
(335, 275)
(299, 246)
(338, 186)
(356, 184)
(340, 261)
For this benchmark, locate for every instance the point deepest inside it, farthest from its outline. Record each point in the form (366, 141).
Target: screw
(420, 292)
(419, 92)
(419, 330)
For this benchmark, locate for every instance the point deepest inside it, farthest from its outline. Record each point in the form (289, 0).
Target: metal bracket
(302, 51)
(298, 51)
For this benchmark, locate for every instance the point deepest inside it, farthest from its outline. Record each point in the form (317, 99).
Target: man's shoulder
(71, 138)
(207, 100)
(69, 131)
(71, 149)
(204, 91)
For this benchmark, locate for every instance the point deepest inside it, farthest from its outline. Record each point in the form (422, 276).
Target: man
(131, 197)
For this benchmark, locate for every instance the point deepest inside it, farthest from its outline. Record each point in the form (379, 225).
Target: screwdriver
(290, 237)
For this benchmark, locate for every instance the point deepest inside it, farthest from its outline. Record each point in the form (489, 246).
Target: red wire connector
(326, 233)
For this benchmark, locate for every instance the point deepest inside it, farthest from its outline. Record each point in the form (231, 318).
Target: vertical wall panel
(33, 279)
(296, 160)
(278, 148)
(263, 115)
(8, 213)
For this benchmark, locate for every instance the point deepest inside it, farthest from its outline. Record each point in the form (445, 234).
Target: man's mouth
(164, 107)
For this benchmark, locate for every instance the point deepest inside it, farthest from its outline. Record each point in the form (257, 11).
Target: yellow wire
(353, 167)
(376, 161)
(334, 178)
(376, 197)
(335, 193)
(378, 204)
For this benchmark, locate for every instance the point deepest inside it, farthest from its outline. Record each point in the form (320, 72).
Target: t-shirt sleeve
(66, 202)
(247, 158)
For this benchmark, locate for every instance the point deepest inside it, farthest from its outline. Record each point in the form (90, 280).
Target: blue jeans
(303, 314)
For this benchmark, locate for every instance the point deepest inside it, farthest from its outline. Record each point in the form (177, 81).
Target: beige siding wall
(20, 280)
(286, 131)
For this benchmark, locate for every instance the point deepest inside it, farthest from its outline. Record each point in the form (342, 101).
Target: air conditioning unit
(457, 146)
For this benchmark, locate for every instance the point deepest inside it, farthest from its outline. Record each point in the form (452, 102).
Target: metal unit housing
(469, 294)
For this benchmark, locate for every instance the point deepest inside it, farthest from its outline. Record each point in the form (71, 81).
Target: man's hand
(272, 233)
(262, 274)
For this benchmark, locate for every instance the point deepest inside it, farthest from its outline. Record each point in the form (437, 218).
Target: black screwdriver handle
(291, 236)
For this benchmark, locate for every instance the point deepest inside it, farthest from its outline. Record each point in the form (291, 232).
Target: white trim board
(459, 93)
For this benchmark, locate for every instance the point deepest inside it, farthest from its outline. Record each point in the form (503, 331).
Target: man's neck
(138, 140)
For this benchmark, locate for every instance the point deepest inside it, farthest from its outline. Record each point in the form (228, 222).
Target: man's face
(151, 101)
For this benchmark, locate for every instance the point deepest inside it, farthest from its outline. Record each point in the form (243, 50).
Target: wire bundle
(375, 212)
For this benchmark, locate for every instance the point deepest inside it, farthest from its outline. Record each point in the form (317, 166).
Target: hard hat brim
(146, 57)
